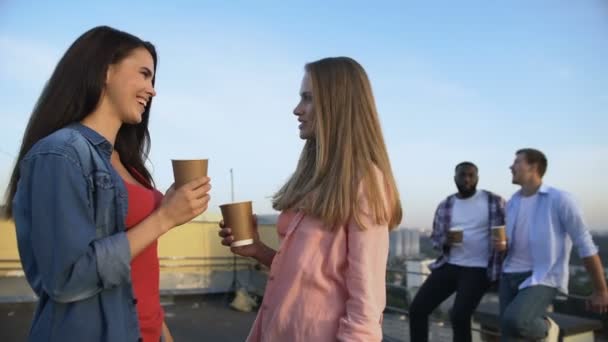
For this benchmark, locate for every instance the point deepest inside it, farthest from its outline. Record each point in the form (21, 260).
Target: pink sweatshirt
(324, 285)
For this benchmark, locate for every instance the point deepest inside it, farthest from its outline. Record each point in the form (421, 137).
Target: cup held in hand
(498, 233)
(185, 171)
(456, 235)
(239, 218)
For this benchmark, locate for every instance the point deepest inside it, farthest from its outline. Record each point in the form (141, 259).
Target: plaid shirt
(442, 223)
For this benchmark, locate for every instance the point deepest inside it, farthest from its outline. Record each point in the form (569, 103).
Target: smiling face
(522, 171)
(305, 109)
(129, 87)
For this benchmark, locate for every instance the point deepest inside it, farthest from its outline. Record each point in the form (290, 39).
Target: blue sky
(453, 81)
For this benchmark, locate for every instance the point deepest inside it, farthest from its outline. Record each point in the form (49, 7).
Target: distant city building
(404, 242)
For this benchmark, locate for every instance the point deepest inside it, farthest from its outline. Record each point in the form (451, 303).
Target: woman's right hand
(185, 203)
(252, 250)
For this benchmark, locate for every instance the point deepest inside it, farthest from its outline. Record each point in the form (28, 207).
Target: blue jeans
(522, 312)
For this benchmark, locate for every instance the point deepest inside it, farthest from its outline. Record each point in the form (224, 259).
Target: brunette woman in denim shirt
(86, 139)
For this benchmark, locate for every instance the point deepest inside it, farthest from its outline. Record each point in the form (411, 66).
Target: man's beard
(466, 192)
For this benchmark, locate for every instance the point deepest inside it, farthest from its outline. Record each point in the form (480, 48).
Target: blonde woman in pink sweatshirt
(327, 279)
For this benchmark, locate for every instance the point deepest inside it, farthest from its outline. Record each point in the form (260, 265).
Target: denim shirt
(557, 224)
(69, 212)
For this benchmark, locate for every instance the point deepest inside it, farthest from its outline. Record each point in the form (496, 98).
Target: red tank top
(145, 268)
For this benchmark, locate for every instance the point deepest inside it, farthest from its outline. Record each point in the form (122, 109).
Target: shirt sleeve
(501, 211)
(73, 264)
(438, 237)
(571, 218)
(365, 279)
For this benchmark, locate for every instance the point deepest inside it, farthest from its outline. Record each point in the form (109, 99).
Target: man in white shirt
(542, 225)
(467, 268)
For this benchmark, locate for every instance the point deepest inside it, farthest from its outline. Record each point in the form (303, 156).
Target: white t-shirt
(519, 259)
(472, 216)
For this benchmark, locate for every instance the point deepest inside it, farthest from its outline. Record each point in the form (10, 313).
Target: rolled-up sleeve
(571, 218)
(73, 264)
(365, 281)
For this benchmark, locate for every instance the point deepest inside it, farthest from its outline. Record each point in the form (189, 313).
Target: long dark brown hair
(73, 92)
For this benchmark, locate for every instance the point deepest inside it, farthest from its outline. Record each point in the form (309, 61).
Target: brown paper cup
(498, 233)
(456, 235)
(185, 171)
(239, 218)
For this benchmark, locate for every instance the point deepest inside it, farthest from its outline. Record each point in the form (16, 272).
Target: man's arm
(598, 301)
(572, 219)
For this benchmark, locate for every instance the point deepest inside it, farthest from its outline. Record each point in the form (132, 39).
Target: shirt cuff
(113, 259)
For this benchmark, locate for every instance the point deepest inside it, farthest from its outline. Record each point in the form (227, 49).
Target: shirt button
(271, 277)
(134, 301)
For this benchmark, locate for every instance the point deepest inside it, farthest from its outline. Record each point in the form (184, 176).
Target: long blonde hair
(347, 151)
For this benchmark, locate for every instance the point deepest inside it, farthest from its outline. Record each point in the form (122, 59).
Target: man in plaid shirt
(467, 268)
